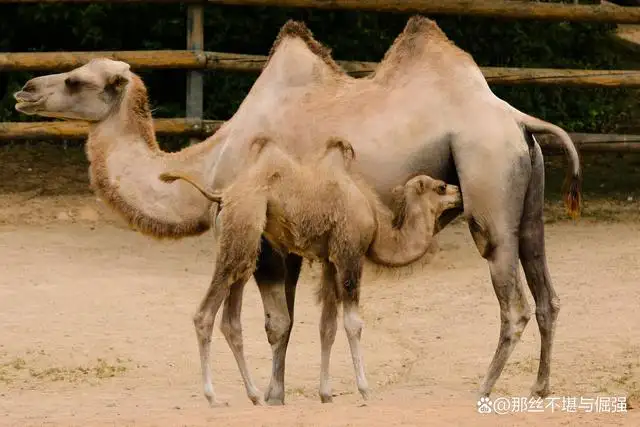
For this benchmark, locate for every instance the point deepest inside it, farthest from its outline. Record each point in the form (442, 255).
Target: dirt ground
(95, 325)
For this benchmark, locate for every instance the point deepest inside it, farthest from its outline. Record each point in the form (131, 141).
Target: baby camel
(321, 212)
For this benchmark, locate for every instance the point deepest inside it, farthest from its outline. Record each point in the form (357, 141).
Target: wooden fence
(196, 61)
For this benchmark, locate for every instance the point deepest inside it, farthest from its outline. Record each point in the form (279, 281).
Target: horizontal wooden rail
(63, 61)
(178, 59)
(499, 9)
(74, 129)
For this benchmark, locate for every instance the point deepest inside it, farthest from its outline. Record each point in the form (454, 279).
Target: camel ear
(116, 82)
(421, 186)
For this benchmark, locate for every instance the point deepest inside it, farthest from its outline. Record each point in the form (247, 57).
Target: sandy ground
(95, 329)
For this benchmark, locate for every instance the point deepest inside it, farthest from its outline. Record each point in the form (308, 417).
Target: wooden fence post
(195, 81)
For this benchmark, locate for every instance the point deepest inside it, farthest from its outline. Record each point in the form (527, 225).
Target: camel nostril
(29, 87)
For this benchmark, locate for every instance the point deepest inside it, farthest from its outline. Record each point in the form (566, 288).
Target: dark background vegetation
(352, 36)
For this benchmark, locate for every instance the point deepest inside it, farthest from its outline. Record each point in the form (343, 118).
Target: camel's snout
(23, 96)
(453, 190)
(453, 196)
(28, 93)
(29, 97)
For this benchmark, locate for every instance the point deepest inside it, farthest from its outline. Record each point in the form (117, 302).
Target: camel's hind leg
(276, 279)
(238, 248)
(341, 283)
(534, 264)
(514, 308)
(493, 197)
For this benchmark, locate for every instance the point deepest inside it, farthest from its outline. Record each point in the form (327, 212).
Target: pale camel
(320, 212)
(426, 110)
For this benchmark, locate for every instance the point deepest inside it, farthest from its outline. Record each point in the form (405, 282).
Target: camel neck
(125, 164)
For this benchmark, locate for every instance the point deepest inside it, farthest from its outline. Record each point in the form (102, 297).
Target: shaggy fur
(139, 121)
(298, 30)
(318, 211)
(427, 109)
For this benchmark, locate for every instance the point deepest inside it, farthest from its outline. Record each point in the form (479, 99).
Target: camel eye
(441, 189)
(71, 83)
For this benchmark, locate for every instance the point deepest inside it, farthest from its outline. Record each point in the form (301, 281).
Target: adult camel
(427, 110)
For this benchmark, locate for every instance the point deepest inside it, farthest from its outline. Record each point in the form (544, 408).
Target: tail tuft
(572, 196)
(168, 177)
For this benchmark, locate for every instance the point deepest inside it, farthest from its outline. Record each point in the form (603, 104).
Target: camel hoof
(274, 399)
(215, 403)
(482, 394)
(326, 398)
(366, 394)
(539, 392)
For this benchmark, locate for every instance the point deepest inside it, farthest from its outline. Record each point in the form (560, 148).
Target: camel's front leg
(353, 323)
(328, 328)
(278, 301)
(353, 327)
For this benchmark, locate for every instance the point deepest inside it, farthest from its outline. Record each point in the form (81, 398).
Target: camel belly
(287, 237)
(383, 173)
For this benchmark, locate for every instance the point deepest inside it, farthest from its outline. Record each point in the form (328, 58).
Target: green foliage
(350, 34)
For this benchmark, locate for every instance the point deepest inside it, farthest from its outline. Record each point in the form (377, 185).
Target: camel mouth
(28, 103)
(27, 107)
(453, 197)
(23, 96)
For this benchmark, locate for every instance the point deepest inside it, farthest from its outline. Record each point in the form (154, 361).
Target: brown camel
(320, 212)
(426, 110)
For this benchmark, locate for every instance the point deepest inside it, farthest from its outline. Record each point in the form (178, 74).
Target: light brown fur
(124, 114)
(139, 121)
(320, 212)
(426, 110)
(312, 184)
(297, 30)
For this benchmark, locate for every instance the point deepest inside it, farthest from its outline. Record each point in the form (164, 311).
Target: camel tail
(174, 176)
(572, 187)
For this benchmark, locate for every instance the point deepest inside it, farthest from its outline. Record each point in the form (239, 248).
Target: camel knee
(547, 314)
(277, 328)
(328, 323)
(514, 324)
(231, 330)
(353, 323)
(203, 324)
(521, 322)
(328, 333)
(515, 313)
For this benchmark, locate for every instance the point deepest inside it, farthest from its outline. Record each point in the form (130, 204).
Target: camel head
(89, 92)
(433, 196)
